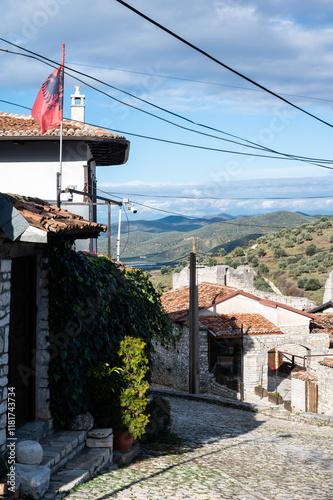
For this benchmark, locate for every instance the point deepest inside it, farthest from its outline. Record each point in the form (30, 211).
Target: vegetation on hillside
(297, 260)
(161, 247)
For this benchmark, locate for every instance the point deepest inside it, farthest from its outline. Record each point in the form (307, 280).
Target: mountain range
(170, 239)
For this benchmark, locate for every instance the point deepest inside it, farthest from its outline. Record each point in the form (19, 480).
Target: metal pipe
(118, 238)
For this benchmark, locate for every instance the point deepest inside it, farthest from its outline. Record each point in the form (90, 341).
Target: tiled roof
(303, 375)
(176, 302)
(327, 362)
(253, 324)
(321, 323)
(41, 215)
(12, 125)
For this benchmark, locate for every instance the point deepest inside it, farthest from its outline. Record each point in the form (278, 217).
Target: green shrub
(282, 264)
(289, 243)
(312, 284)
(307, 236)
(238, 252)
(261, 284)
(279, 252)
(261, 251)
(311, 249)
(166, 270)
(263, 268)
(94, 305)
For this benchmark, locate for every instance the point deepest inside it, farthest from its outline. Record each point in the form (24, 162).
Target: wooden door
(271, 360)
(312, 399)
(22, 334)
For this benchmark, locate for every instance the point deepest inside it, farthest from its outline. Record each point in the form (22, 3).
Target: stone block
(100, 433)
(121, 457)
(106, 442)
(29, 452)
(34, 480)
(82, 422)
(5, 265)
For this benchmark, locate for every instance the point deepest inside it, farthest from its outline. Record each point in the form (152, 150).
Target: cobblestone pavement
(228, 454)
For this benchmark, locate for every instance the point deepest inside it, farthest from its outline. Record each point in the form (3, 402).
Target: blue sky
(285, 46)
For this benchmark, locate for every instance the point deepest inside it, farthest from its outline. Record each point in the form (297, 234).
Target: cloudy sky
(284, 46)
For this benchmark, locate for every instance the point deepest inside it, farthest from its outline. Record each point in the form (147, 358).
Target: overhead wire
(249, 144)
(191, 80)
(194, 217)
(217, 61)
(195, 146)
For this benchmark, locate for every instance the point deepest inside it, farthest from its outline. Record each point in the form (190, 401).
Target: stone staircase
(66, 455)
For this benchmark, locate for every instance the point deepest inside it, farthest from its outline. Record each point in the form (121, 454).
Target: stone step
(35, 431)
(78, 470)
(61, 446)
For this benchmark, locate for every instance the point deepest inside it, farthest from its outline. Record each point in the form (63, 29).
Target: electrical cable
(195, 146)
(206, 54)
(249, 144)
(180, 197)
(198, 218)
(195, 81)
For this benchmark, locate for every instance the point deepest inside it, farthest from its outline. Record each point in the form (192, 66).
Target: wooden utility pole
(194, 386)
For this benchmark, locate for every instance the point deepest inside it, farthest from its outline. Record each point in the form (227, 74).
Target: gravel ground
(226, 453)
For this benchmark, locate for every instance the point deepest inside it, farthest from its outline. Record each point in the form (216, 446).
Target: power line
(195, 146)
(197, 218)
(312, 161)
(195, 81)
(227, 197)
(206, 54)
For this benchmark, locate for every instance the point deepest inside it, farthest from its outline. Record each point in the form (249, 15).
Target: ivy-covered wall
(93, 306)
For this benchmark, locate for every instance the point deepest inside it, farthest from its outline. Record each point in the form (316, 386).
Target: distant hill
(158, 245)
(296, 259)
(171, 223)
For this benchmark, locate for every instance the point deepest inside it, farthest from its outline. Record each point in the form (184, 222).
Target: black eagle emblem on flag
(52, 89)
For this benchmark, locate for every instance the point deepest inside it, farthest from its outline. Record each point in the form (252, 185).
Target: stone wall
(5, 275)
(297, 395)
(170, 364)
(328, 294)
(42, 345)
(240, 278)
(325, 389)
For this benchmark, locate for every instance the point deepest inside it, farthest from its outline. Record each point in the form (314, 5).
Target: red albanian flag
(48, 108)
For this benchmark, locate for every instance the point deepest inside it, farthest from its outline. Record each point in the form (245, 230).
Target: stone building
(27, 227)
(242, 336)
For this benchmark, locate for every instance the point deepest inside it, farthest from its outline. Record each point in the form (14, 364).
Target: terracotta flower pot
(122, 440)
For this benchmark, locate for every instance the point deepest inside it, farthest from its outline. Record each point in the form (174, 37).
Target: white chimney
(77, 105)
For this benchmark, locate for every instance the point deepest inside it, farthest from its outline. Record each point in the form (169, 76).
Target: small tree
(238, 252)
(261, 252)
(311, 249)
(263, 268)
(166, 270)
(312, 284)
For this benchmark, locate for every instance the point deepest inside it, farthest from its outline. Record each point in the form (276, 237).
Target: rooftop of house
(176, 303)
(322, 323)
(24, 125)
(48, 218)
(322, 307)
(327, 362)
(106, 147)
(224, 325)
(303, 375)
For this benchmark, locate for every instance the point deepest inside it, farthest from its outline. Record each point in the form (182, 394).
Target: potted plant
(260, 391)
(119, 393)
(275, 397)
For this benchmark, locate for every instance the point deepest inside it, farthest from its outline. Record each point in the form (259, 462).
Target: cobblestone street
(226, 453)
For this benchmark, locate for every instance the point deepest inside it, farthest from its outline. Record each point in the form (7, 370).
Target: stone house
(29, 161)
(240, 334)
(28, 226)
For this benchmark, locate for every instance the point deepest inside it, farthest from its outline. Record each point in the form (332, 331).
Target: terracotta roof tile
(303, 375)
(253, 324)
(12, 125)
(327, 362)
(322, 324)
(40, 214)
(176, 302)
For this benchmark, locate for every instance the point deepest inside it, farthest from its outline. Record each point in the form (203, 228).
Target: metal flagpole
(61, 107)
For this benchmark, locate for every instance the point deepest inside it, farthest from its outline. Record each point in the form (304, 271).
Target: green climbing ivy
(94, 304)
